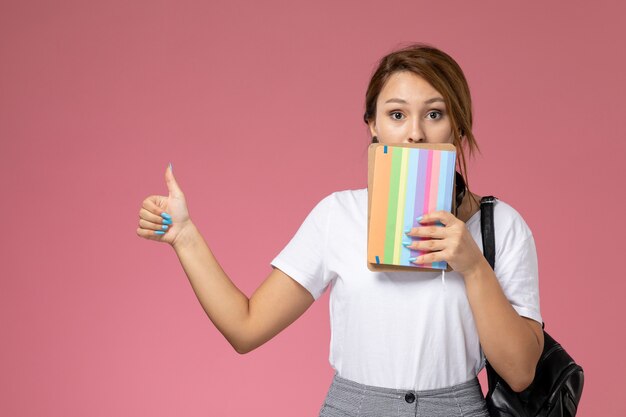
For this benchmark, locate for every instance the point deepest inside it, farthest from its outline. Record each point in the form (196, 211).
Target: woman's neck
(468, 207)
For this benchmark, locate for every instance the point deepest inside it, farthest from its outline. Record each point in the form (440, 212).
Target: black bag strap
(488, 231)
(486, 224)
(489, 251)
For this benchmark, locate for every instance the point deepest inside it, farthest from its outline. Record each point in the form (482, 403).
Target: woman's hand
(449, 241)
(164, 218)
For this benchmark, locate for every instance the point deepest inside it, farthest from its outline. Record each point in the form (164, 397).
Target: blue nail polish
(412, 259)
(407, 230)
(406, 243)
(419, 218)
(165, 215)
(159, 232)
(166, 221)
(164, 227)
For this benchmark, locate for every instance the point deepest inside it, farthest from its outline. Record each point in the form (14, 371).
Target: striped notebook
(405, 182)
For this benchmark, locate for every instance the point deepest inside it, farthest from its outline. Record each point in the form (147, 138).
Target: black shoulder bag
(558, 383)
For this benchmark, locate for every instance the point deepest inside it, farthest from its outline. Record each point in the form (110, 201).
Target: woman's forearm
(507, 339)
(226, 306)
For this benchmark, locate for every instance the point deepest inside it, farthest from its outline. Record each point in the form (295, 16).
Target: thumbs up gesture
(163, 218)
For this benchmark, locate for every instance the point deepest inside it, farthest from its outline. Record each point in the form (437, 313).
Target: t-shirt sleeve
(304, 257)
(516, 266)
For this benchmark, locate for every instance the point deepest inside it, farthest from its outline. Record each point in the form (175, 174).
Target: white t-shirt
(403, 330)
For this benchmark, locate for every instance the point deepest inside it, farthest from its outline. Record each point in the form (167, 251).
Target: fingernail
(167, 221)
(412, 259)
(407, 230)
(406, 243)
(167, 216)
(164, 227)
(159, 232)
(171, 168)
(419, 218)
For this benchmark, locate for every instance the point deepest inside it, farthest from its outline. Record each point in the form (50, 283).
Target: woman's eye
(433, 115)
(396, 115)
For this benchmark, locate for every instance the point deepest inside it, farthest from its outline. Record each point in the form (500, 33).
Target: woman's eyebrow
(429, 101)
(396, 100)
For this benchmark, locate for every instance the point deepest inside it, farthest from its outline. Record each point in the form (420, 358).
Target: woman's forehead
(408, 87)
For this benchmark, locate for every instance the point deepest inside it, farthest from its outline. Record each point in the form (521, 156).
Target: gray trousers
(347, 398)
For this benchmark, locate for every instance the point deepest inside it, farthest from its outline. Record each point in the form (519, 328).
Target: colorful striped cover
(407, 183)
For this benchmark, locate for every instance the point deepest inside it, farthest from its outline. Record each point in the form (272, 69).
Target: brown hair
(446, 76)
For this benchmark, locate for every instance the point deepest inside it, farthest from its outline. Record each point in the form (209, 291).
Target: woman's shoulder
(347, 197)
(343, 201)
(508, 220)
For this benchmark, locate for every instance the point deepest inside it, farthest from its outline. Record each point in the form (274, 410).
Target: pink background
(259, 107)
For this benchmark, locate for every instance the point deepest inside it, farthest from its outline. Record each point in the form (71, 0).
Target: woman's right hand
(151, 219)
(245, 322)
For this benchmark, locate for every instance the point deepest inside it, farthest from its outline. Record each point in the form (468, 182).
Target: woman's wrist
(480, 269)
(186, 237)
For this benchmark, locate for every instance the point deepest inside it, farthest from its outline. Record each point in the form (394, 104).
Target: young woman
(402, 343)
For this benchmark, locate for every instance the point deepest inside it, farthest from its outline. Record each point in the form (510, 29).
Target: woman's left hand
(449, 241)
